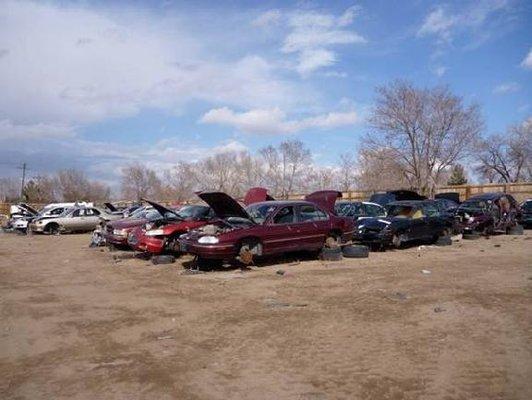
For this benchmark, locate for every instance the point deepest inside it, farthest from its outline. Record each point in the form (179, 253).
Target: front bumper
(211, 251)
(150, 244)
(115, 239)
(36, 228)
(383, 237)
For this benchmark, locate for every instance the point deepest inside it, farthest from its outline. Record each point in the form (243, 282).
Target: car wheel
(162, 259)
(516, 230)
(52, 228)
(443, 241)
(355, 251)
(398, 240)
(470, 236)
(248, 249)
(331, 254)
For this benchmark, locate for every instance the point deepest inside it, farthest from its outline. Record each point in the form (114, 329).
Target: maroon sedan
(266, 228)
(116, 232)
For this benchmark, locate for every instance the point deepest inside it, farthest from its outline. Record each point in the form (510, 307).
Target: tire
(516, 230)
(470, 236)
(52, 228)
(398, 240)
(443, 241)
(328, 254)
(355, 251)
(163, 259)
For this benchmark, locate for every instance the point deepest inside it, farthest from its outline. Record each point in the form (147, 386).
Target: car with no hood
(266, 228)
(358, 210)
(488, 213)
(407, 221)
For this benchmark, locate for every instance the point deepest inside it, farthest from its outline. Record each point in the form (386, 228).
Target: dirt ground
(75, 324)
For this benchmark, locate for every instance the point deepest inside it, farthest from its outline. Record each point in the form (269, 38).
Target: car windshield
(399, 210)
(527, 206)
(191, 212)
(348, 209)
(259, 212)
(150, 215)
(474, 205)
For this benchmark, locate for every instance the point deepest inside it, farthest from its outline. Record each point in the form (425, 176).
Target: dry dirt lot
(77, 325)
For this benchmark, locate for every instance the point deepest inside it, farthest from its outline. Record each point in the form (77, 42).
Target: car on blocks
(267, 228)
(407, 221)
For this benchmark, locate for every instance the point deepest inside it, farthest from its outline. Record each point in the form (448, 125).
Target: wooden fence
(520, 191)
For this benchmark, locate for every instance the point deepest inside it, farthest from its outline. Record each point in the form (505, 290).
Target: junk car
(116, 232)
(407, 221)
(526, 213)
(266, 228)
(160, 235)
(76, 219)
(488, 213)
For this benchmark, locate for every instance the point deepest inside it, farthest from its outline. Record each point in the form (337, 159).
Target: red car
(161, 235)
(116, 232)
(266, 228)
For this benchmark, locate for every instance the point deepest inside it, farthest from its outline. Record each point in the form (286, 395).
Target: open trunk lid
(325, 199)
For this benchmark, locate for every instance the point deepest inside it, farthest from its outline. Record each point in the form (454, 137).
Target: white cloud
(267, 19)
(8, 130)
(527, 61)
(439, 71)
(75, 65)
(438, 23)
(507, 87)
(312, 35)
(445, 25)
(274, 120)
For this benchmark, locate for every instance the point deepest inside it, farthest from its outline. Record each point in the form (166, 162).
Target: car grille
(132, 239)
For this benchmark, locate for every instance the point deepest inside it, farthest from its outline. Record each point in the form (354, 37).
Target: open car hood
(324, 199)
(162, 209)
(256, 195)
(223, 205)
(27, 208)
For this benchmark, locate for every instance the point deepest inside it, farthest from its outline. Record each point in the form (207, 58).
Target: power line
(23, 168)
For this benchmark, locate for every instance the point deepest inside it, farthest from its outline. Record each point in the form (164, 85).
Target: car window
(349, 209)
(57, 211)
(397, 210)
(94, 211)
(374, 210)
(311, 213)
(430, 210)
(77, 213)
(285, 215)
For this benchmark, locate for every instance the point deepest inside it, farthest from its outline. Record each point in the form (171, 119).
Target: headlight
(40, 222)
(120, 232)
(154, 232)
(471, 219)
(208, 240)
(148, 226)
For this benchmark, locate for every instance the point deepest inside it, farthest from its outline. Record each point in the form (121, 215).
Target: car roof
(487, 196)
(278, 203)
(357, 202)
(408, 203)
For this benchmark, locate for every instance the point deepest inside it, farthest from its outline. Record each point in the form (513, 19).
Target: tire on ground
(516, 230)
(470, 236)
(328, 254)
(163, 259)
(444, 241)
(355, 251)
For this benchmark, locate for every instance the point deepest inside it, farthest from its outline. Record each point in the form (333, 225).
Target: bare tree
(41, 189)
(9, 189)
(346, 172)
(426, 130)
(507, 158)
(72, 185)
(380, 170)
(181, 181)
(138, 181)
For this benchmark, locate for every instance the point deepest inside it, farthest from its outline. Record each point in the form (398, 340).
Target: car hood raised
(257, 195)
(324, 199)
(223, 205)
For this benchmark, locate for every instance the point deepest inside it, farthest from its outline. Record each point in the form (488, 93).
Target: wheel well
(50, 225)
(250, 239)
(336, 233)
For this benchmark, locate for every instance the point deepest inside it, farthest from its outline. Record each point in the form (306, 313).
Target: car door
(71, 221)
(91, 219)
(312, 227)
(280, 234)
(418, 224)
(433, 219)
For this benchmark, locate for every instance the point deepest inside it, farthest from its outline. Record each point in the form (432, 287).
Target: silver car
(77, 219)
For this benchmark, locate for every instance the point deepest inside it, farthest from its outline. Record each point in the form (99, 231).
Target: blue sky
(99, 84)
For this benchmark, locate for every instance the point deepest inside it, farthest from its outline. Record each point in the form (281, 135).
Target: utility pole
(23, 168)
